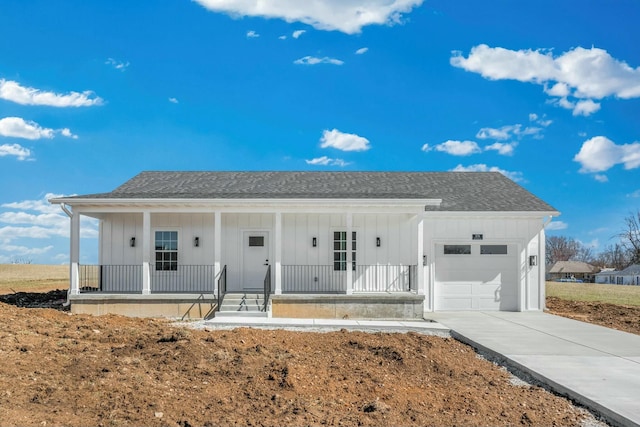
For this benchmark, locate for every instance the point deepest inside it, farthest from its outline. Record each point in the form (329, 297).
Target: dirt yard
(621, 317)
(74, 370)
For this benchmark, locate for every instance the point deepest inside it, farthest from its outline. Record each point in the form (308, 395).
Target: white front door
(255, 259)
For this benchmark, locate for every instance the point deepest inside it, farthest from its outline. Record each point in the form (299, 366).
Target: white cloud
(514, 176)
(561, 90)
(507, 132)
(17, 127)
(635, 194)
(585, 107)
(38, 219)
(346, 16)
(601, 178)
(173, 100)
(13, 91)
(600, 154)
(362, 50)
(585, 74)
(15, 150)
(298, 33)
(533, 117)
(455, 148)
(38, 205)
(282, 37)
(312, 60)
(556, 225)
(326, 161)
(67, 132)
(505, 149)
(343, 141)
(23, 250)
(118, 65)
(252, 34)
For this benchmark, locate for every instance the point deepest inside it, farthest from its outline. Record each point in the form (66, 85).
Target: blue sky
(91, 93)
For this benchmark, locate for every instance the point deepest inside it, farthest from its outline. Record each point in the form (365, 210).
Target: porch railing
(188, 279)
(123, 279)
(119, 279)
(312, 279)
(385, 278)
(222, 286)
(267, 288)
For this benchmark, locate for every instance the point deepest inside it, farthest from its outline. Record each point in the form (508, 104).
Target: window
(457, 249)
(340, 250)
(166, 250)
(493, 249)
(256, 240)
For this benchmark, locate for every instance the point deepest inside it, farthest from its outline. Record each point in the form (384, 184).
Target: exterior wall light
(533, 260)
(196, 242)
(132, 242)
(378, 242)
(314, 242)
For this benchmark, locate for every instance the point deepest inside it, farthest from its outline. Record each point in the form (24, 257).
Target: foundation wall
(348, 306)
(174, 308)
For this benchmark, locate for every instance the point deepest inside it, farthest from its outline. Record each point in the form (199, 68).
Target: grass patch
(591, 292)
(33, 277)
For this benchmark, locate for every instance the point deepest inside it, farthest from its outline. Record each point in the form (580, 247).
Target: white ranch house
(628, 276)
(310, 244)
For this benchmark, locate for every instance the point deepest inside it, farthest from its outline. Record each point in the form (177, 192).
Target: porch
(203, 279)
(196, 291)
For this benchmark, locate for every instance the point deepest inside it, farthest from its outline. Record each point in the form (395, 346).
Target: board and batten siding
(525, 233)
(396, 232)
(117, 230)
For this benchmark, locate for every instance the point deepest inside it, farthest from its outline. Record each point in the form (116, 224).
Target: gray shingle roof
(573, 267)
(632, 270)
(459, 191)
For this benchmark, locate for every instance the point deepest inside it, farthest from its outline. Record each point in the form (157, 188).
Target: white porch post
(217, 245)
(421, 264)
(349, 276)
(146, 253)
(542, 262)
(278, 254)
(74, 253)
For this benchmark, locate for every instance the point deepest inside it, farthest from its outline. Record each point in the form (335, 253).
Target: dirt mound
(52, 299)
(75, 370)
(623, 318)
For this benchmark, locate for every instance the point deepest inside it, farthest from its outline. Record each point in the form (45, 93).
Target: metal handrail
(267, 288)
(222, 286)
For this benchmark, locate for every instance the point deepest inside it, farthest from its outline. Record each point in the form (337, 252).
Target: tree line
(618, 255)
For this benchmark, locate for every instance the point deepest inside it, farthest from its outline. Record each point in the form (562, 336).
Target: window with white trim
(166, 249)
(340, 250)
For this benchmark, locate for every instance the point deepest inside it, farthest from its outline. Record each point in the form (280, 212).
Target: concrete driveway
(596, 366)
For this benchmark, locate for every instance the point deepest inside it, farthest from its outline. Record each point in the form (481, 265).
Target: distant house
(310, 244)
(628, 276)
(572, 271)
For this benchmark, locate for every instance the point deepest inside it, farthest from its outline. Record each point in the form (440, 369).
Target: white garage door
(476, 277)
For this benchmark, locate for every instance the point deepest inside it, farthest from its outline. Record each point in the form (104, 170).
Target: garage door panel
(476, 281)
(460, 304)
(459, 288)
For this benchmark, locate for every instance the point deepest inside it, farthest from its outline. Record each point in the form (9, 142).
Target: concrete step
(240, 314)
(242, 303)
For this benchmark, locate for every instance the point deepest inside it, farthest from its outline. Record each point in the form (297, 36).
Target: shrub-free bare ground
(63, 369)
(73, 370)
